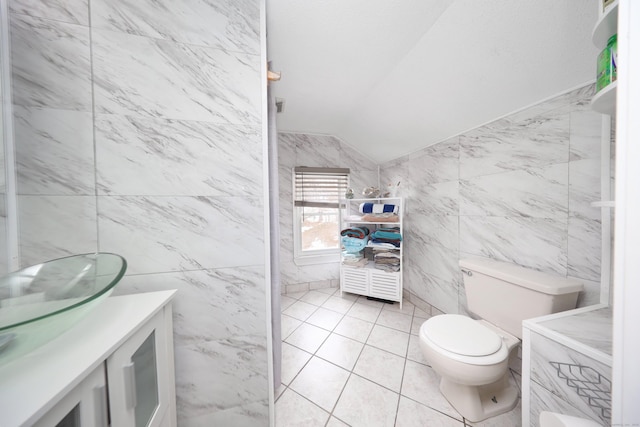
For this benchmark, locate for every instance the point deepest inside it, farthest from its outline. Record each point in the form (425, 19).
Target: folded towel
(377, 208)
(383, 217)
(353, 244)
(359, 232)
(388, 235)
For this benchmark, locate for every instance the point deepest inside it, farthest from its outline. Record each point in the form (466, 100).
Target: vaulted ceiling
(390, 77)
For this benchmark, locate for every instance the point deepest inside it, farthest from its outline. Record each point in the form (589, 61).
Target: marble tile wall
(138, 131)
(295, 149)
(517, 189)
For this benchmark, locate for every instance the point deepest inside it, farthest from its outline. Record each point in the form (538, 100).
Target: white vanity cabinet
(566, 365)
(114, 368)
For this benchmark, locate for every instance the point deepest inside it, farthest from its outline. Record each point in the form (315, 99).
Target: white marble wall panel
(440, 293)
(210, 304)
(128, 70)
(229, 24)
(361, 179)
(213, 376)
(536, 192)
(584, 248)
(543, 400)
(584, 188)
(578, 96)
(160, 234)
(538, 243)
(438, 163)
(56, 226)
(316, 150)
(585, 135)
(440, 198)
(50, 64)
(70, 11)
(591, 293)
(353, 159)
(435, 230)
(501, 146)
(589, 385)
(177, 157)
(54, 151)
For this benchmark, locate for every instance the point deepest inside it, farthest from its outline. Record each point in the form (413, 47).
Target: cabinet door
(140, 377)
(385, 285)
(84, 406)
(354, 280)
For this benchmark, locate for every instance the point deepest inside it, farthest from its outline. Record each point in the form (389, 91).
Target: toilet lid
(462, 335)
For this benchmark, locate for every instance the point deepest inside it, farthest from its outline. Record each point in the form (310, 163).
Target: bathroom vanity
(567, 365)
(113, 368)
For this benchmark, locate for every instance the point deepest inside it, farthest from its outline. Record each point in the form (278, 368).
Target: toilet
(472, 355)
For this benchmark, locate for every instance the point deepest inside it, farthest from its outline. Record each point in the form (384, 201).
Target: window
(316, 203)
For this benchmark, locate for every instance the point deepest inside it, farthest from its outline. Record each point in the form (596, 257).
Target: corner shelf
(605, 100)
(606, 26)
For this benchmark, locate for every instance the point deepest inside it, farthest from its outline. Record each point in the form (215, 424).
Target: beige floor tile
(288, 324)
(407, 307)
(416, 324)
(366, 404)
(395, 320)
(414, 352)
(334, 422)
(293, 410)
(286, 302)
(293, 359)
(340, 350)
(325, 319)
(307, 337)
(421, 383)
(353, 328)
(390, 340)
(413, 414)
(315, 298)
(337, 304)
(512, 418)
(381, 367)
(321, 382)
(300, 310)
(368, 313)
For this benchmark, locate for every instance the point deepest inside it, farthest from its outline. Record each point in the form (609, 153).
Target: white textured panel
(177, 157)
(50, 64)
(181, 233)
(130, 70)
(229, 24)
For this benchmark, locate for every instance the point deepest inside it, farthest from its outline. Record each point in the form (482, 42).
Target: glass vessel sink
(40, 302)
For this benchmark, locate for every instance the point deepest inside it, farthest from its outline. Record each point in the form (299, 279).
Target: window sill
(316, 259)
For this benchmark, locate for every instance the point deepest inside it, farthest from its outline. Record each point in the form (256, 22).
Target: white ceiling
(390, 77)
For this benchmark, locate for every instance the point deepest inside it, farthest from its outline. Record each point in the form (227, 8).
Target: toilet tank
(505, 294)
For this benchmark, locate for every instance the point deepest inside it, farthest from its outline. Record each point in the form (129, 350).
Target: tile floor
(347, 361)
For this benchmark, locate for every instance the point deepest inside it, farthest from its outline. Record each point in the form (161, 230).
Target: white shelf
(605, 100)
(396, 224)
(606, 26)
(604, 204)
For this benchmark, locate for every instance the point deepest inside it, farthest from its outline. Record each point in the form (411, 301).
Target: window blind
(320, 187)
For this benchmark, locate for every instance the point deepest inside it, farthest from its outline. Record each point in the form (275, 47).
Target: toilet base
(477, 403)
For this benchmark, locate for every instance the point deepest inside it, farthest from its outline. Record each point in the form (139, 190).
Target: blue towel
(378, 208)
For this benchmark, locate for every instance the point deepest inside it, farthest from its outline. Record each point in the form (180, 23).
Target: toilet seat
(463, 339)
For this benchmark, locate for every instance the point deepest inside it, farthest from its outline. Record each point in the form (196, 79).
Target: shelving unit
(368, 280)
(605, 100)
